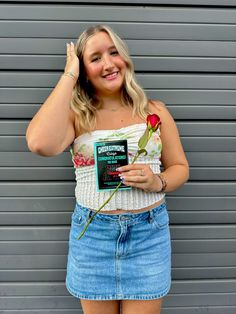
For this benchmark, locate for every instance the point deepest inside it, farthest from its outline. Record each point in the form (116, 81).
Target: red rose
(153, 122)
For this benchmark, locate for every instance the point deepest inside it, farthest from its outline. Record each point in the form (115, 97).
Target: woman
(123, 260)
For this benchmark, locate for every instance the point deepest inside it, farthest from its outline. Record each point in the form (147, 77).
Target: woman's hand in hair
(72, 61)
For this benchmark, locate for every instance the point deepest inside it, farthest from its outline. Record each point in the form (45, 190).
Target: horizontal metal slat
(69, 12)
(190, 144)
(40, 302)
(61, 189)
(149, 81)
(61, 233)
(37, 204)
(191, 128)
(203, 260)
(62, 204)
(135, 30)
(35, 233)
(197, 97)
(61, 247)
(150, 2)
(67, 173)
(213, 299)
(202, 112)
(206, 189)
(59, 275)
(209, 112)
(29, 159)
(31, 275)
(43, 189)
(160, 63)
(204, 273)
(45, 275)
(58, 288)
(170, 48)
(201, 203)
(69, 302)
(37, 219)
(209, 216)
(178, 216)
(182, 260)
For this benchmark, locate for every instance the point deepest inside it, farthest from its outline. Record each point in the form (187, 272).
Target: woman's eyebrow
(97, 52)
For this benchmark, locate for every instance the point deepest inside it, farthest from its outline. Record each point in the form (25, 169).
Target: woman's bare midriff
(140, 210)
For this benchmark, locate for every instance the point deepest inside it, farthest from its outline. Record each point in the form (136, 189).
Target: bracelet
(163, 181)
(71, 75)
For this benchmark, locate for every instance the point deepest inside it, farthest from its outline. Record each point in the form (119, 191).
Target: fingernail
(118, 169)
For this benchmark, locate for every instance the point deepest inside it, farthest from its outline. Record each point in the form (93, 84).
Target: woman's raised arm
(52, 128)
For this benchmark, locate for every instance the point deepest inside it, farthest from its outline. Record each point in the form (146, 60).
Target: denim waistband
(86, 212)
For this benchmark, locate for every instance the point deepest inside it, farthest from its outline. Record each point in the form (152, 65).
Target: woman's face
(104, 67)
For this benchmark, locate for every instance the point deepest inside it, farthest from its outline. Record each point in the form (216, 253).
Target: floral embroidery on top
(83, 157)
(157, 146)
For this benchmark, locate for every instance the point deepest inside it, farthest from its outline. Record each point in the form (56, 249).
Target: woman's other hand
(72, 61)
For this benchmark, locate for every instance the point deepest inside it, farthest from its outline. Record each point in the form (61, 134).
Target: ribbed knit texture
(86, 191)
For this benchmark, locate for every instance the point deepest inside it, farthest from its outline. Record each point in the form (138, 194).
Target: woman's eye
(115, 52)
(95, 59)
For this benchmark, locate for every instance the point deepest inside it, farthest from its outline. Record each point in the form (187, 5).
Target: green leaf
(143, 139)
(142, 151)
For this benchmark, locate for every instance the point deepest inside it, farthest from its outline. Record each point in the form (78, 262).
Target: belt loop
(150, 218)
(90, 213)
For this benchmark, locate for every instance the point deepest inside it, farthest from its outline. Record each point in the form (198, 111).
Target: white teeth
(111, 75)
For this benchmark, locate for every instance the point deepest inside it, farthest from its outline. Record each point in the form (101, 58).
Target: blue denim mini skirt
(120, 256)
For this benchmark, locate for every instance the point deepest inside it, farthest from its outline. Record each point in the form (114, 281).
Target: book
(110, 155)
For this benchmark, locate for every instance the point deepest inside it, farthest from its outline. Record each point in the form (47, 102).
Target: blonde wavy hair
(84, 101)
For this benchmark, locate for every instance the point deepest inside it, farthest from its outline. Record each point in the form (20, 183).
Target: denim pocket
(78, 218)
(161, 218)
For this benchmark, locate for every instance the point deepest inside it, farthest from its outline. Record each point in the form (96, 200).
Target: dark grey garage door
(184, 54)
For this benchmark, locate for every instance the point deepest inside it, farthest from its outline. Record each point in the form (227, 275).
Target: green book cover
(110, 155)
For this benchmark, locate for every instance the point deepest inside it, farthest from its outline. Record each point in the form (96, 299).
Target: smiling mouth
(111, 76)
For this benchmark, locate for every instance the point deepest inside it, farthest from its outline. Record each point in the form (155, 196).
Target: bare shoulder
(158, 107)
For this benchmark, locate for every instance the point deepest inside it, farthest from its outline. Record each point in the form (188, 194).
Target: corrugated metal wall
(184, 54)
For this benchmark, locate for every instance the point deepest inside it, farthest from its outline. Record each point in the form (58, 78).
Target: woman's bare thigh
(100, 307)
(141, 306)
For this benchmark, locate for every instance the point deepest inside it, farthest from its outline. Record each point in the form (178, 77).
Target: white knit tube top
(83, 158)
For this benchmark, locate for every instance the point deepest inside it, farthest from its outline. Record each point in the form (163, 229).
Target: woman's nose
(107, 62)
